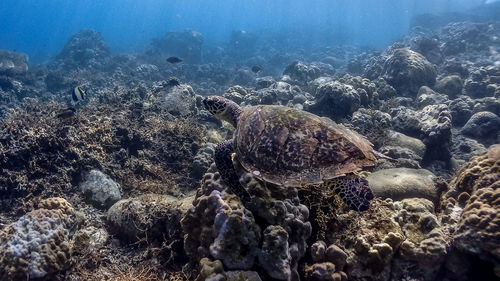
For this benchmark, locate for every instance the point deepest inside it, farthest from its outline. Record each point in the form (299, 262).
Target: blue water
(41, 27)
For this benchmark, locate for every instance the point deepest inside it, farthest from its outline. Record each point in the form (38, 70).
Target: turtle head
(354, 191)
(223, 109)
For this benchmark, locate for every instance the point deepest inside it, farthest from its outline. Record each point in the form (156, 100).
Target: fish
(66, 113)
(174, 60)
(256, 69)
(78, 94)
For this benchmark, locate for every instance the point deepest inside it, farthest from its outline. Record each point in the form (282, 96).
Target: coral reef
(271, 232)
(402, 183)
(12, 63)
(482, 127)
(87, 47)
(373, 124)
(407, 71)
(430, 100)
(141, 147)
(301, 73)
(100, 189)
(335, 100)
(450, 85)
(432, 125)
(395, 241)
(39, 243)
(475, 193)
(426, 96)
(150, 217)
(328, 263)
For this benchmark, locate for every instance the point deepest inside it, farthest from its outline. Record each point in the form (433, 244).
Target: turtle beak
(205, 103)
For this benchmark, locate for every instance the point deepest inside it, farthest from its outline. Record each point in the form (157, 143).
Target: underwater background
(40, 28)
(250, 140)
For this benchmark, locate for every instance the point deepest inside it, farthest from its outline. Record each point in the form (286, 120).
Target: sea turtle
(291, 147)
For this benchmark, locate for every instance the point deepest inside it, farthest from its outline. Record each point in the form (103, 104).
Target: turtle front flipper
(224, 164)
(354, 191)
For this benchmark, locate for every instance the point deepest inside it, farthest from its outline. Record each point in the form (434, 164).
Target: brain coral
(38, 244)
(477, 190)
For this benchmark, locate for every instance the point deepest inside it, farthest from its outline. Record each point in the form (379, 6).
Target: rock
(398, 139)
(264, 82)
(402, 183)
(100, 189)
(86, 47)
(461, 110)
(313, 86)
(490, 104)
(366, 89)
(12, 63)
(234, 96)
(406, 121)
(301, 73)
(373, 124)
(432, 125)
(335, 100)
(278, 93)
(148, 71)
(39, 243)
(428, 47)
(455, 66)
(384, 90)
(152, 216)
(482, 82)
(483, 126)
(450, 85)
(435, 131)
(464, 148)
(179, 100)
(407, 71)
(398, 152)
(202, 160)
(243, 77)
(426, 96)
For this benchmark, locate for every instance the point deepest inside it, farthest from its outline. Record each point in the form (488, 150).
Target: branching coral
(141, 147)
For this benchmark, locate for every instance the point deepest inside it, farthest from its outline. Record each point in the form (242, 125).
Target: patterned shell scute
(286, 146)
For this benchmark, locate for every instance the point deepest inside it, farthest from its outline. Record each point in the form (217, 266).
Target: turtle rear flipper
(224, 164)
(354, 191)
